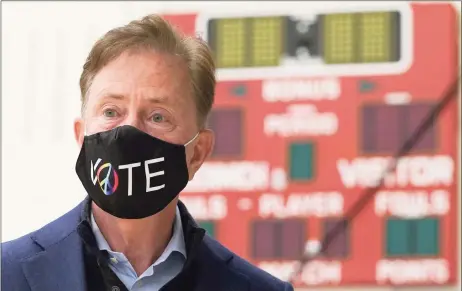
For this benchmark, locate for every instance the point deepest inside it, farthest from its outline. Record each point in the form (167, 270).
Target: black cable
(369, 193)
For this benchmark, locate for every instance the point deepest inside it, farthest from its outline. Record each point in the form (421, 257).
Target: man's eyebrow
(112, 96)
(157, 98)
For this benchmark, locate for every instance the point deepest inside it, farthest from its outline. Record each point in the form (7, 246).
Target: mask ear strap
(197, 134)
(85, 129)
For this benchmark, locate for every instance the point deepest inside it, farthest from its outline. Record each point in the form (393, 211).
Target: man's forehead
(151, 75)
(144, 67)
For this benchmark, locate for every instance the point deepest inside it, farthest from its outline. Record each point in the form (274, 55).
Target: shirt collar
(176, 243)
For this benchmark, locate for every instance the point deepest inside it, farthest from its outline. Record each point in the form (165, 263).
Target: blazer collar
(60, 266)
(209, 259)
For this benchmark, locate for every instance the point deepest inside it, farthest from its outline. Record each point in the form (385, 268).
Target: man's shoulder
(258, 279)
(34, 242)
(31, 246)
(19, 249)
(14, 252)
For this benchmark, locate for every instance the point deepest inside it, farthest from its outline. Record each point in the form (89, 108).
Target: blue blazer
(51, 259)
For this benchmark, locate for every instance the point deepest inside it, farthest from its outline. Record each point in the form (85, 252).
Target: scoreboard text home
(310, 107)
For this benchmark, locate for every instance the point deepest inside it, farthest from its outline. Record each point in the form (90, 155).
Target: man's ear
(200, 151)
(79, 132)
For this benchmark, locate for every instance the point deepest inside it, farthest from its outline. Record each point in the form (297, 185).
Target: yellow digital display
(231, 42)
(337, 38)
(339, 41)
(247, 42)
(375, 30)
(266, 41)
(369, 37)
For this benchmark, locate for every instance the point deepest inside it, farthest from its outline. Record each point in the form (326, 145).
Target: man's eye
(157, 118)
(109, 113)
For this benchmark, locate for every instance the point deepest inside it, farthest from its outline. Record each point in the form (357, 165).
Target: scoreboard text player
(309, 109)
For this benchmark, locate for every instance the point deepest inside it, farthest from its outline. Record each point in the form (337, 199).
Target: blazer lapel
(213, 273)
(60, 266)
(214, 279)
(208, 260)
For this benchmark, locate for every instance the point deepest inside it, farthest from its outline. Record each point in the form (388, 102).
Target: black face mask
(130, 174)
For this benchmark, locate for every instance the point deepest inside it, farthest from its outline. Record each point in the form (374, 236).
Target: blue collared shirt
(167, 266)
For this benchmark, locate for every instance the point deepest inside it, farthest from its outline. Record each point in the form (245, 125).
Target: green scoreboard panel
(340, 38)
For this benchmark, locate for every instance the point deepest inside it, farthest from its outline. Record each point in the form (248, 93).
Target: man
(146, 93)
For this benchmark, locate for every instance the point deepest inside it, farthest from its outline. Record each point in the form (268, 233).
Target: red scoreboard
(310, 108)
